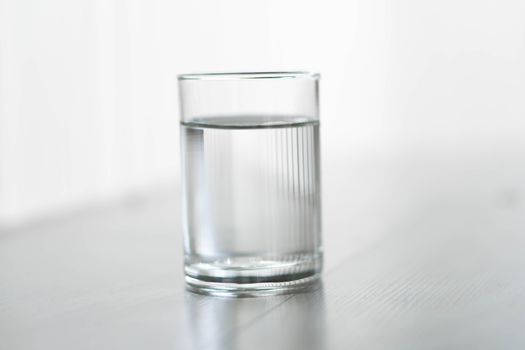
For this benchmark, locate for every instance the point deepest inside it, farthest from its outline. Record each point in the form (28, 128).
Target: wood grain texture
(420, 254)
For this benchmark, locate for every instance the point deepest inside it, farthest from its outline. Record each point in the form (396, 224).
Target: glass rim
(304, 75)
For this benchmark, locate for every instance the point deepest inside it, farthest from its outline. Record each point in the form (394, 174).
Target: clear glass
(251, 182)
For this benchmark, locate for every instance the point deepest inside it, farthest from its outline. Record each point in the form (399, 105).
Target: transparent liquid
(251, 203)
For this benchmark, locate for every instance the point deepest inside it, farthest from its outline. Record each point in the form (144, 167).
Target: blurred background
(88, 95)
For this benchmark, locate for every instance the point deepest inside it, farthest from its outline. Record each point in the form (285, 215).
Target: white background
(88, 99)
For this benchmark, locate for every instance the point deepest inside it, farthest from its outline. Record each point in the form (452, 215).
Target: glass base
(252, 276)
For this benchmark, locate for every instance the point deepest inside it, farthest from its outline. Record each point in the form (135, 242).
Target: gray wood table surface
(420, 253)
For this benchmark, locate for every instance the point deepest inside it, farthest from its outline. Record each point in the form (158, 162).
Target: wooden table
(421, 253)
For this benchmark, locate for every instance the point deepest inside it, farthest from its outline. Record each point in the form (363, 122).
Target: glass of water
(250, 182)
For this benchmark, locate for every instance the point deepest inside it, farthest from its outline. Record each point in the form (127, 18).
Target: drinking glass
(250, 182)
